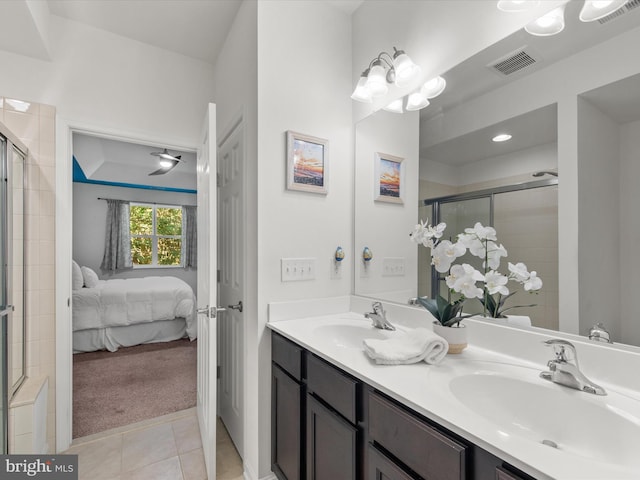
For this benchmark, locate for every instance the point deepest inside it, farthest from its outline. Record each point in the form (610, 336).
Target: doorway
(64, 254)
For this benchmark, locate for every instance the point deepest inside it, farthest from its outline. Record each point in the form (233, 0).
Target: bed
(125, 312)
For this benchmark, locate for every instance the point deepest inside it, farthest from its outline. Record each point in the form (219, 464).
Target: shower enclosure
(12, 279)
(525, 216)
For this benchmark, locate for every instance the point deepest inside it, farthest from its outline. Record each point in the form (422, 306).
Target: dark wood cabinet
(286, 436)
(381, 467)
(331, 444)
(328, 425)
(426, 450)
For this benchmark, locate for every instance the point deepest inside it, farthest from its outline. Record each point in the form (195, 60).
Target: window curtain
(117, 243)
(190, 236)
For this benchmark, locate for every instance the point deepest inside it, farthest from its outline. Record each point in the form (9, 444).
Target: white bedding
(121, 302)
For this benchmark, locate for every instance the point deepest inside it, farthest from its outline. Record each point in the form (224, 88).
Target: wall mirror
(572, 110)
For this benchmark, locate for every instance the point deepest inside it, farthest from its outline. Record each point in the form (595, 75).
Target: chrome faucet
(599, 333)
(379, 317)
(564, 368)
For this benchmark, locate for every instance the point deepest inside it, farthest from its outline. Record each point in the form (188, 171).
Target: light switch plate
(298, 269)
(393, 267)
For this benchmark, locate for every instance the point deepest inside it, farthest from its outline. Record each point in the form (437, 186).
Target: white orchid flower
(444, 254)
(423, 233)
(473, 243)
(496, 283)
(494, 252)
(533, 282)
(482, 232)
(519, 272)
(438, 230)
(463, 278)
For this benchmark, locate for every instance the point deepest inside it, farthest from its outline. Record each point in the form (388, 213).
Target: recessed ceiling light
(503, 137)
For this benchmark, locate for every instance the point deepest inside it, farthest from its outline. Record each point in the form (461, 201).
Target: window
(156, 235)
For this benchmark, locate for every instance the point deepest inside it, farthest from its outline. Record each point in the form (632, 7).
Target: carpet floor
(112, 389)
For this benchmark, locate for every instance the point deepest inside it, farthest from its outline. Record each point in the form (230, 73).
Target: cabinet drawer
(333, 386)
(422, 448)
(287, 354)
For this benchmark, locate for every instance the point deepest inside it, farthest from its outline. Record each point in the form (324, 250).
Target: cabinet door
(379, 467)
(286, 426)
(331, 444)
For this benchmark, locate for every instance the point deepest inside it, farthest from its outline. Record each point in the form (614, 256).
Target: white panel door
(231, 286)
(207, 286)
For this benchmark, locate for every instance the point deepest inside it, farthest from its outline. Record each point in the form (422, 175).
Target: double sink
(496, 398)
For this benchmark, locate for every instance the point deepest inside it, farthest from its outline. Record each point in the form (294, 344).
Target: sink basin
(350, 333)
(604, 429)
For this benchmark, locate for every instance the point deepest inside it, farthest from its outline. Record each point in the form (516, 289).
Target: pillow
(90, 277)
(76, 276)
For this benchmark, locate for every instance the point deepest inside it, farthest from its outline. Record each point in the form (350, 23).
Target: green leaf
(431, 305)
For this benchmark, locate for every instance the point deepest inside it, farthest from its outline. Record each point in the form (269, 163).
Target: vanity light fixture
(395, 106)
(596, 9)
(550, 23)
(503, 137)
(417, 101)
(516, 5)
(385, 69)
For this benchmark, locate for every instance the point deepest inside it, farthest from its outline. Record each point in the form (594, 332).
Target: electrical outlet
(298, 269)
(393, 267)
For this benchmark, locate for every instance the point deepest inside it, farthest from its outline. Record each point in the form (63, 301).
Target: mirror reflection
(574, 111)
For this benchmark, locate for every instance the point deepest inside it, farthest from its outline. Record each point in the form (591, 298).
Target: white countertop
(426, 389)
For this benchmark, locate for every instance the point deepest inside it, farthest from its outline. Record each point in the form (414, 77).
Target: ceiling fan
(167, 162)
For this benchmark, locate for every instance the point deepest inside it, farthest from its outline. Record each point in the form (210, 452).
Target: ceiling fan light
(166, 163)
(596, 9)
(376, 83)
(550, 23)
(395, 106)
(434, 87)
(406, 70)
(516, 5)
(416, 101)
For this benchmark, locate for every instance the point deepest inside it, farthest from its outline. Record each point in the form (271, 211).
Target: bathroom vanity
(480, 415)
(327, 424)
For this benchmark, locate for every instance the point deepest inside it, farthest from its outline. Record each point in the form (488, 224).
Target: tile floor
(164, 448)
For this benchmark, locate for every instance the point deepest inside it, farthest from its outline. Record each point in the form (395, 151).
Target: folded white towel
(408, 347)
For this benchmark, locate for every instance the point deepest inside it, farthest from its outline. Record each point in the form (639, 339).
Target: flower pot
(455, 336)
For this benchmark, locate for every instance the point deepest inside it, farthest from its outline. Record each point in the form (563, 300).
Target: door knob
(210, 312)
(238, 306)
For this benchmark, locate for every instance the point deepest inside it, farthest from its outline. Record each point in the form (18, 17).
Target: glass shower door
(5, 309)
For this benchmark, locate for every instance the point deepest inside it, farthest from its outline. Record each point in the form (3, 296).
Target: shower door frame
(6, 229)
(490, 193)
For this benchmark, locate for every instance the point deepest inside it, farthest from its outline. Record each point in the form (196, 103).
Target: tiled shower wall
(34, 125)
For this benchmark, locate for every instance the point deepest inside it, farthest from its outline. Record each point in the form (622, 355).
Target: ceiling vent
(632, 4)
(513, 62)
(627, 7)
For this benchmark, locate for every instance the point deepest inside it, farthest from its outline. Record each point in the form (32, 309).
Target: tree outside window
(156, 235)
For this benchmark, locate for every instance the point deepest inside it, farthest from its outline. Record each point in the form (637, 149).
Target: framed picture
(307, 163)
(389, 178)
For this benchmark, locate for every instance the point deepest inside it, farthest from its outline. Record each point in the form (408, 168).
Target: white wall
(304, 84)
(89, 226)
(598, 250)
(541, 157)
(396, 135)
(106, 80)
(629, 229)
